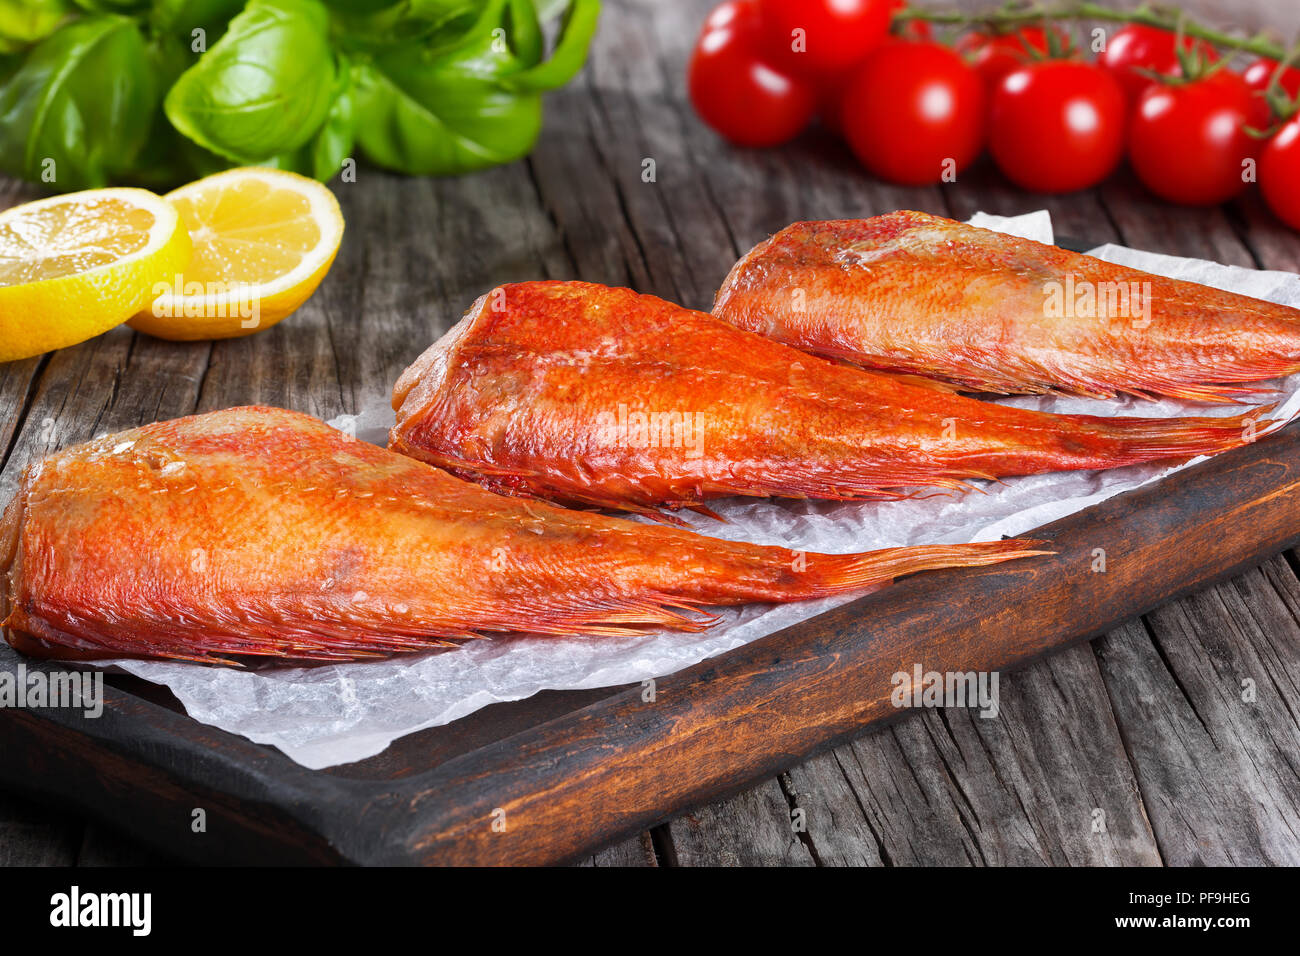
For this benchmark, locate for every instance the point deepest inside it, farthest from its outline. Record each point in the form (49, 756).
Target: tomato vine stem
(1011, 16)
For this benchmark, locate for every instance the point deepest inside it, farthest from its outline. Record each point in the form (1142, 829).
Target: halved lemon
(263, 240)
(75, 265)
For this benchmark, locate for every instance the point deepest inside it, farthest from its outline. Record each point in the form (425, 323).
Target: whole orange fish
(257, 531)
(594, 395)
(913, 293)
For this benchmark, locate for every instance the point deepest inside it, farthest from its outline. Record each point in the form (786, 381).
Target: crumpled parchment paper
(322, 716)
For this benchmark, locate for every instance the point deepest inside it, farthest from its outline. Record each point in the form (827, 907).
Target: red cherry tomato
(1148, 48)
(1188, 141)
(732, 87)
(835, 86)
(1259, 76)
(818, 37)
(914, 112)
(995, 55)
(1057, 125)
(1279, 173)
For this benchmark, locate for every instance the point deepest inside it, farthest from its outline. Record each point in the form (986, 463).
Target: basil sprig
(161, 91)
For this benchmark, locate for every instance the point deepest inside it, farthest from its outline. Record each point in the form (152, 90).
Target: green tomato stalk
(1012, 15)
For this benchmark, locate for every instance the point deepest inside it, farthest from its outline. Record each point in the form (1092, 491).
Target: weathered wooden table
(1137, 748)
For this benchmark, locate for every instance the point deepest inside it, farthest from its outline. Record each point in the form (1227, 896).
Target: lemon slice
(263, 240)
(76, 265)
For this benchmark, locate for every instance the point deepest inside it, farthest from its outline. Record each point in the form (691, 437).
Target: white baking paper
(322, 716)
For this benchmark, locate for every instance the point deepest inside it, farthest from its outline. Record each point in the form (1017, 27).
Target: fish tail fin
(1150, 439)
(838, 573)
(741, 573)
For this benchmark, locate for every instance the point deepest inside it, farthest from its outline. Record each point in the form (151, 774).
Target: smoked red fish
(258, 531)
(918, 294)
(600, 396)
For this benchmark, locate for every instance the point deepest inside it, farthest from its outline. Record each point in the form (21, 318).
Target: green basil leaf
(24, 22)
(362, 27)
(437, 122)
(477, 104)
(525, 32)
(570, 51)
(83, 100)
(333, 143)
(323, 156)
(266, 86)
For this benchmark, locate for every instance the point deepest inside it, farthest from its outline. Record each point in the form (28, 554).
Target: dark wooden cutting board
(1143, 728)
(547, 779)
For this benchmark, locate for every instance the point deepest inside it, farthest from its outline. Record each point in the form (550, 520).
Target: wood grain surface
(1146, 723)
